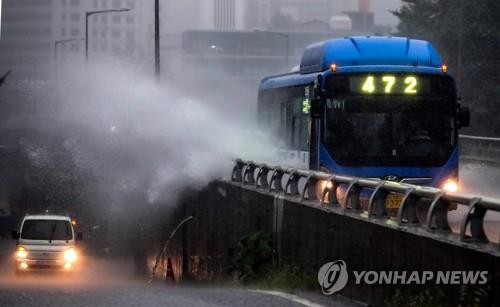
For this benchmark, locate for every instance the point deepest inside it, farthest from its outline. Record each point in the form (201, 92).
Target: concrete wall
(310, 236)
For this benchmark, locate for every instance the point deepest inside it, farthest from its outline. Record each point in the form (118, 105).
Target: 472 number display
(389, 84)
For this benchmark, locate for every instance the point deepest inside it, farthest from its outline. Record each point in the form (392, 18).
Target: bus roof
(368, 50)
(361, 53)
(291, 79)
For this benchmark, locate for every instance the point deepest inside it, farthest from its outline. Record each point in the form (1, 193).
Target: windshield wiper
(53, 232)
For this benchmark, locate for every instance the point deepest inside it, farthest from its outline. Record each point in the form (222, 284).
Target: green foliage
(397, 300)
(251, 263)
(473, 297)
(434, 297)
(288, 278)
(439, 21)
(252, 257)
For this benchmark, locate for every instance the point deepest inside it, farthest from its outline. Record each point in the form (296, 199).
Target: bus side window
(300, 128)
(268, 113)
(281, 111)
(284, 131)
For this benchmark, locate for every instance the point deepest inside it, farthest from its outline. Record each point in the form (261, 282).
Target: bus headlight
(70, 255)
(21, 253)
(450, 185)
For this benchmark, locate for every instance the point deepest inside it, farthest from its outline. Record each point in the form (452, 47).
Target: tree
(475, 27)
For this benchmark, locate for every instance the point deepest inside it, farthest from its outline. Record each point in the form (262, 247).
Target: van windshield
(46, 230)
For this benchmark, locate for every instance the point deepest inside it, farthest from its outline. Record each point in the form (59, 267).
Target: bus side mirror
(14, 234)
(79, 236)
(317, 97)
(316, 107)
(463, 117)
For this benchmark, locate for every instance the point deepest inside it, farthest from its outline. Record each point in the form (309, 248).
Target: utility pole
(460, 45)
(157, 39)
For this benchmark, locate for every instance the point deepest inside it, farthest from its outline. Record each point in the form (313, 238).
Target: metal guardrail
(478, 148)
(270, 178)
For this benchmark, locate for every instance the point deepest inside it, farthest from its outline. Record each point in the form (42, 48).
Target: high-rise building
(258, 14)
(113, 33)
(69, 23)
(264, 14)
(31, 27)
(223, 15)
(27, 35)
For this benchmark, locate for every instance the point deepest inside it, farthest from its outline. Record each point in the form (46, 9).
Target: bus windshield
(389, 130)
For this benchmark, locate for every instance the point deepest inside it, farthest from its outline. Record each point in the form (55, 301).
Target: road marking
(290, 297)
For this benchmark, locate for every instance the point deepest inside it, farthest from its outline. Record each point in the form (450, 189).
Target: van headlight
(70, 255)
(21, 252)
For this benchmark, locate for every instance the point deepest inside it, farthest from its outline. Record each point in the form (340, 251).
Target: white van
(46, 242)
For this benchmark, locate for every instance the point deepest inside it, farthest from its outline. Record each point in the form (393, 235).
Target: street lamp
(287, 40)
(90, 13)
(157, 39)
(62, 41)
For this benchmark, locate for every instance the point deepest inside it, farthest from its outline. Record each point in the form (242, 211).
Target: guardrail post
(474, 218)
(261, 180)
(309, 188)
(249, 173)
(352, 196)
(376, 205)
(407, 212)
(330, 189)
(438, 212)
(292, 184)
(237, 174)
(275, 183)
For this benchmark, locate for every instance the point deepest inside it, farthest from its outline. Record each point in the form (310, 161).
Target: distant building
(123, 33)
(222, 15)
(363, 18)
(27, 36)
(30, 28)
(69, 19)
(305, 11)
(258, 14)
(248, 54)
(309, 15)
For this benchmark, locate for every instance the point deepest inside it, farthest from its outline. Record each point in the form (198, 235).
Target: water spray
(164, 249)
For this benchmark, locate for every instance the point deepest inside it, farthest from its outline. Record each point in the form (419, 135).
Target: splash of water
(144, 137)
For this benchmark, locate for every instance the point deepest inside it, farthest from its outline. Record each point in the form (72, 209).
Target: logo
(332, 277)
(391, 178)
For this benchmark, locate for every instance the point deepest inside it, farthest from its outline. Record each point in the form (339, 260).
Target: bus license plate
(393, 201)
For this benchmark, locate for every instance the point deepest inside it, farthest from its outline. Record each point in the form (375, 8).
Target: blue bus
(375, 107)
